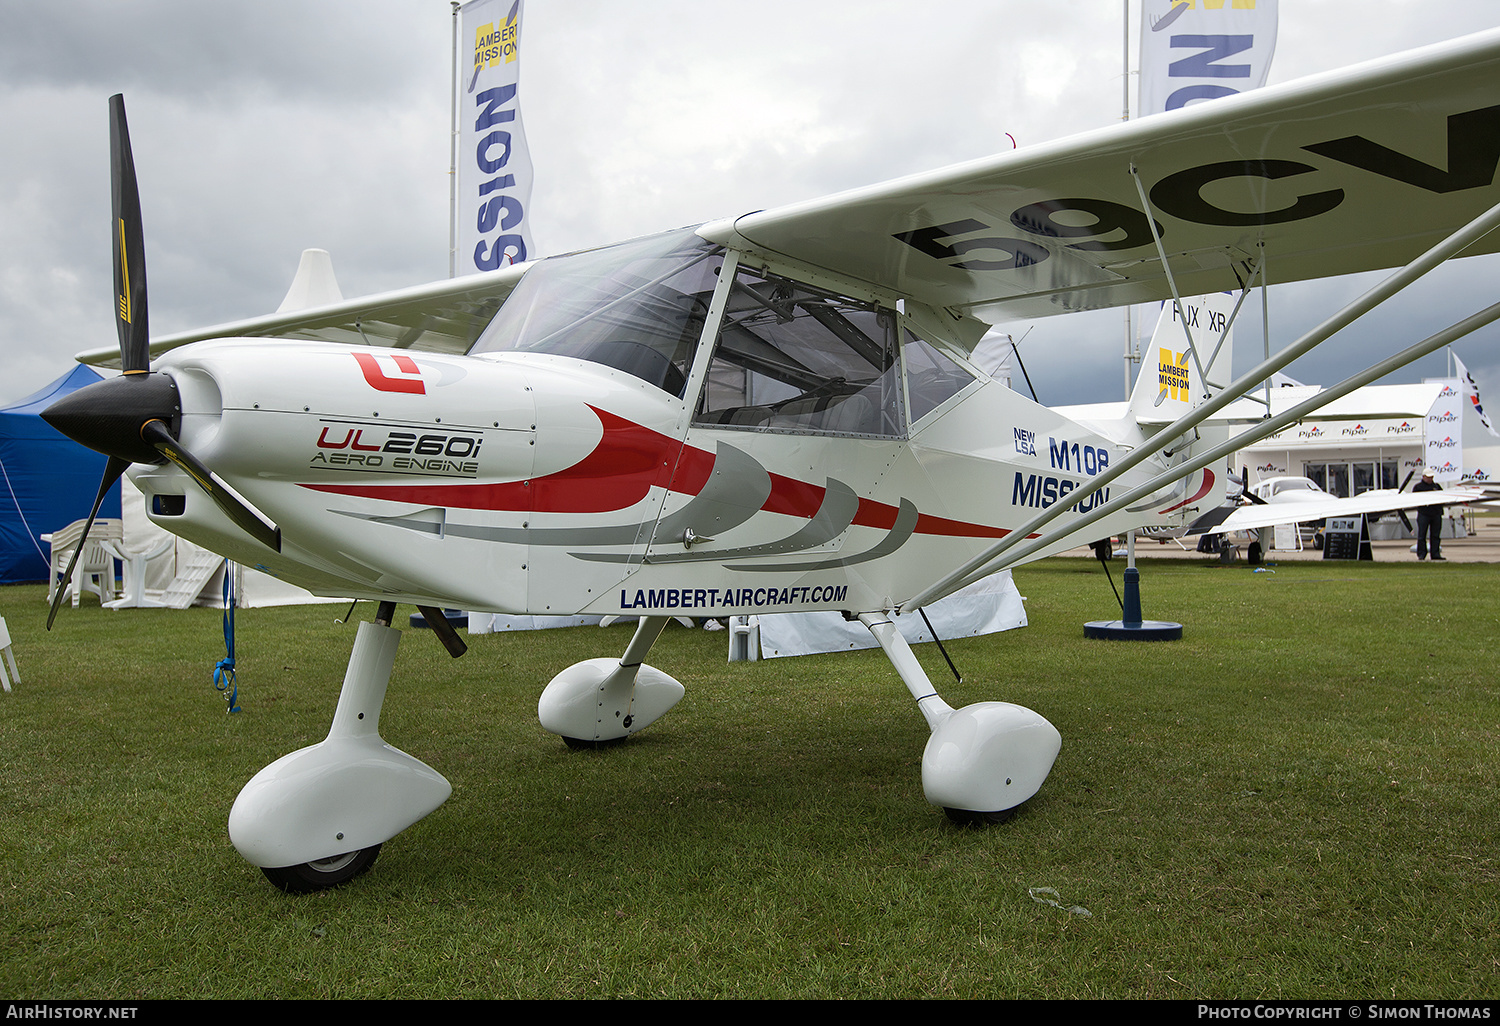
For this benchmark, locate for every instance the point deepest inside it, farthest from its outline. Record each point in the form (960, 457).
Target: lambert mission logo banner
(494, 164)
(1172, 374)
(1205, 321)
(1194, 50)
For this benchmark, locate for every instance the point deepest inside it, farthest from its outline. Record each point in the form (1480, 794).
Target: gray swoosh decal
(1177, 494)
(906, 523)
(623, 534)
(737, 488)
(833, 517)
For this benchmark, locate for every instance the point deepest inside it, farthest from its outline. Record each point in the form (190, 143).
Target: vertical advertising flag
(1195, 50)
(494, 165)
(1471, 393)
(1444, 448)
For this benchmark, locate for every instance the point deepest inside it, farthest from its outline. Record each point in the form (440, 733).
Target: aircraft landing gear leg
(982, 761)
(599, 701)
(317, 817)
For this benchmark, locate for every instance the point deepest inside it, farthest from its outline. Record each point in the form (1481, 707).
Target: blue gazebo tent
(47, 481)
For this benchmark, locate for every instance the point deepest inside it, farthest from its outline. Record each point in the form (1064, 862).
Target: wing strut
(1258, 271)
(1450, 247)
(1263, 428)
(1161, 254)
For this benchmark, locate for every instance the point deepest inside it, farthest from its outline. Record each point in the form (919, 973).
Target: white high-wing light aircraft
(773, 412)
(1298, 499)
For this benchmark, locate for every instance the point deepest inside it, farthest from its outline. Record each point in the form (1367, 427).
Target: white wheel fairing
(337, 796)
(348, 792)
(988, 757)
(598, 699)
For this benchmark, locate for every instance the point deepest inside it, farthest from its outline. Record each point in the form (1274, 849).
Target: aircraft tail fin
(1170, 383)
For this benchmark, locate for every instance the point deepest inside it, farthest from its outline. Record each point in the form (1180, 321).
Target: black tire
(324, 873)
(578, 744)
(969, 818)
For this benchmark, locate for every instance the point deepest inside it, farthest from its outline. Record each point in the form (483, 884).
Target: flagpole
(453, 153)
(1125, 116)
(1132, 583)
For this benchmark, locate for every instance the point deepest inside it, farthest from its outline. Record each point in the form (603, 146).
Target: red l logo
(411, 381)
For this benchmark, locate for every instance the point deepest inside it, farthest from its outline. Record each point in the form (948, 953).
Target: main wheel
(324, 873)
(967, 818)
(578, 744)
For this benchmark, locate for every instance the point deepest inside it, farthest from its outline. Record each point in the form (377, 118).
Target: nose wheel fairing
(348, 792)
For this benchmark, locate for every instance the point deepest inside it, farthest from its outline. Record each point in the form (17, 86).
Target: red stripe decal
(621, 470)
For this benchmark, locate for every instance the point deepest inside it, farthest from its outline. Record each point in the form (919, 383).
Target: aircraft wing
(1351, 170)
(1382, 501)
(1346, 171)
(443, 316)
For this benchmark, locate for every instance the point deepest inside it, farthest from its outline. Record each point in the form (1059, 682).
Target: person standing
(1429, 521)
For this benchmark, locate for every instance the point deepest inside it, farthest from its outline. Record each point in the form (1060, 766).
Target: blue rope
(224, 670)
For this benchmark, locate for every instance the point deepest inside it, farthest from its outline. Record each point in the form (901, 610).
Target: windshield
(638, 307)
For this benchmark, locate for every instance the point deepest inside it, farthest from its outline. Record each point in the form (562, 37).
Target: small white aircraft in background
(1299, 500)
(1283, 500)
(1289, 489)
(774, 412)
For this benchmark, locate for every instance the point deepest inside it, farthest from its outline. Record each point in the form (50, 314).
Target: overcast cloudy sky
(263, 128)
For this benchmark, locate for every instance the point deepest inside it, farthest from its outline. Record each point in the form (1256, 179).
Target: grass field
(1298, 800)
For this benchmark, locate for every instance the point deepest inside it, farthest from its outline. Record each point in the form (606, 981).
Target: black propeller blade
(245, 516)
(129, 246)
(113, 469)
(136, 418)
(1251, 497)
(1406, 520)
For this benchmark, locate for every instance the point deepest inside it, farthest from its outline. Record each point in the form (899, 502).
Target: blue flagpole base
(1132, 627)
(1146, 630)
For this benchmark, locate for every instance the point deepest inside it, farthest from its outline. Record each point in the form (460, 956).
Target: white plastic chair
(133, 576)
(7, 656)
(95, 570)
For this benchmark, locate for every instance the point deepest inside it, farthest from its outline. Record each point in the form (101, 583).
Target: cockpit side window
(639, 308)
(932, 377)
(793, 358)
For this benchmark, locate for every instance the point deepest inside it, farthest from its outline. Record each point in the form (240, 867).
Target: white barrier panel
(985, 607)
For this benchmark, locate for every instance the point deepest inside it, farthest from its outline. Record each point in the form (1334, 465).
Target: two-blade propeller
(1406, 520)
(1245, 492)
(136, 418)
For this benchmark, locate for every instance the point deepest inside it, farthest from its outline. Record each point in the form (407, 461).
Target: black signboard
(1347, 538)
